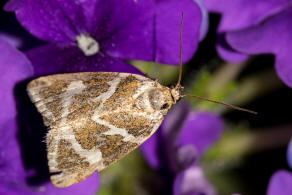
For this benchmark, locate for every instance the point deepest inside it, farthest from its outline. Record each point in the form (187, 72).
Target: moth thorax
(88, 45)
(160, 99)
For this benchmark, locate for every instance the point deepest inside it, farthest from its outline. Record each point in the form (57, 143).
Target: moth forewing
(96, 118)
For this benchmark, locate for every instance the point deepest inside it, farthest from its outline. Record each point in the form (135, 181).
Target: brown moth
(96, 118)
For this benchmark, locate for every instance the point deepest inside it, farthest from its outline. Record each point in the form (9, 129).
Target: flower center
(88, 45)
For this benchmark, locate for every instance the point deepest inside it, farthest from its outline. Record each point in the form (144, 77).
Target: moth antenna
(195, 96)
(221, 103)
(180, 51)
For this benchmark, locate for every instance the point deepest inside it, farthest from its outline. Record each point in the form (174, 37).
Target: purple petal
(230, 55)
(227, 53)
(15, 189)
(155, 149)
(12, 5)
(150, 149)
(200, 129)
(272, 36)
(244, 13)
(11, 169)
(155, 36)
(85, 187)
(251, 13)
(15, 67)
(170, 130)
(118, 24)
(289, 154)
(132, 40)
(205, 19)
(10, 39)
(112, 17)
(54, 20)
(186, 156)
(284, 67)
(51, 59)
(174, 120)
(167, 29)
(192, 182)
(13, 33)
(280, 183)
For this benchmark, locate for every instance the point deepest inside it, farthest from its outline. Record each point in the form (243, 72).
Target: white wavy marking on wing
(104, 96)
(114, 130)
(74, 88)
(143, 86)
(64, 131)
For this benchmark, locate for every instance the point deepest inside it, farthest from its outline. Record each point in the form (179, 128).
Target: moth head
(176, 92)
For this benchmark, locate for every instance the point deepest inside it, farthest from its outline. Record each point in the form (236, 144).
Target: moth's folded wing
(68, 162)
(128, 130)
(57, 95)
(94, 144)
(89, 129)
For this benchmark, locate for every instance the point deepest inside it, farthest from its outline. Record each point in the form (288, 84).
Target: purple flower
(280, 183)
(13, 33)
(192, 181)
(272, 36)
(176, 148)
(240, 14)
(17, 154)
(99, 35)
(255, 27)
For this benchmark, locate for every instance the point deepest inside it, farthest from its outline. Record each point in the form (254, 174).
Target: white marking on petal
(88, 45)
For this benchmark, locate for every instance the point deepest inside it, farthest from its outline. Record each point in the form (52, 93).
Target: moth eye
(164, 106)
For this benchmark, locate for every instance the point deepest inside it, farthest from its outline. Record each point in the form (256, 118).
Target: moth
(96, 118)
